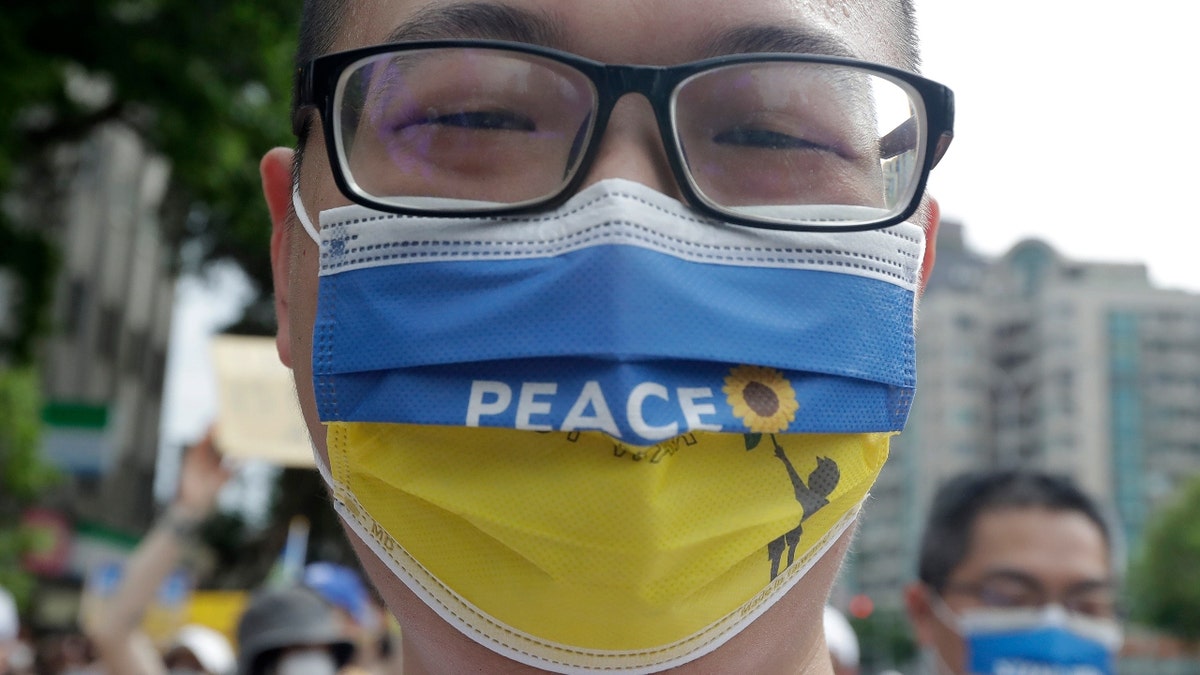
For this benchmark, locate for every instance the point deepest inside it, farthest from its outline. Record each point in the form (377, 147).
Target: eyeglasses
(483, 127)
(1097, 600)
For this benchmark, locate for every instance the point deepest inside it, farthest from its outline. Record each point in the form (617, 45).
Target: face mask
(1043, 641)
(548, 429)
(21, 657)
(307, 662)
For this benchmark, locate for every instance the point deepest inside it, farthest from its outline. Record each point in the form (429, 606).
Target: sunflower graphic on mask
(761, 397)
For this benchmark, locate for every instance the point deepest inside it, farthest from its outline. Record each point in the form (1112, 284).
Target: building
(1035, 360)
(103, 362)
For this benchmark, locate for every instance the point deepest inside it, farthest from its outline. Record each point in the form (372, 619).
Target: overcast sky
(1076, 123)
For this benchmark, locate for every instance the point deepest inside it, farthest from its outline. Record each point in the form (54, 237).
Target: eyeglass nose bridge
(648, 81)
(655, 84)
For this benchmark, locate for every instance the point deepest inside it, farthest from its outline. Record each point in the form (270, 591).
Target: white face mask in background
(20, 657)
(1045, 639)
(307, 662)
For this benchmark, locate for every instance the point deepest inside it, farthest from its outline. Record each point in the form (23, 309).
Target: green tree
(23, 476)
(884, 640)
(1165, 580)
(30, 261)
(205, 83)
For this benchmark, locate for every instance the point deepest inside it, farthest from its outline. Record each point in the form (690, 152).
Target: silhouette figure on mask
(812, 498)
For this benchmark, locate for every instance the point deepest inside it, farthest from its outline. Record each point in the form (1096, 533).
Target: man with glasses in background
(1017, 575)
(601, 314)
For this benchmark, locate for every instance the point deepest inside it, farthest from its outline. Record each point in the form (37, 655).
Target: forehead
(1057, 547)
(653, 32)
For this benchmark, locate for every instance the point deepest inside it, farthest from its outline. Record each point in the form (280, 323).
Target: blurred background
(1061, 327)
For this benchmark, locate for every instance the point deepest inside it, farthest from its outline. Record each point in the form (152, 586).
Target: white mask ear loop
(302, 215)
(942, 611)
(949, 618)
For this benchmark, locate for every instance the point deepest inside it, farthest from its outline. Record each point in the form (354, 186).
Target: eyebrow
(487, 20)
(786, 39)
(479, 20)
(1033, 582)
(1092, 585)
(1005, 574)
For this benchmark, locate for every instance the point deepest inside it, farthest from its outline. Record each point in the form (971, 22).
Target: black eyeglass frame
(1070, 601)
(317, 83)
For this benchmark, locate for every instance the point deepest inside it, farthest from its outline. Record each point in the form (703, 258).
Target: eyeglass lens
(797, 142)
(471, 128)
(1098, 600)
(478, 125)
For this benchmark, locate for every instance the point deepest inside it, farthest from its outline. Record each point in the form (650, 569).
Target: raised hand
(201, 477)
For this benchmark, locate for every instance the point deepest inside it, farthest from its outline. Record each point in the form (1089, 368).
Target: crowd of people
(324, 622)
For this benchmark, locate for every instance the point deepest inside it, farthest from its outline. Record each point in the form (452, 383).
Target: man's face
(657, 32)
(1021, 556)
(654, 32)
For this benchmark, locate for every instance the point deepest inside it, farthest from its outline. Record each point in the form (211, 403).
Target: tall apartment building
(1035, 360)
(103, 364)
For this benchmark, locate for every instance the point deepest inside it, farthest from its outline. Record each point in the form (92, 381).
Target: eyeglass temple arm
(899, 140)
(942, 146)
(947, 116)
(903, 138)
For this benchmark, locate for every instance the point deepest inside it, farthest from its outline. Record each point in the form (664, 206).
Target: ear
(920, 613)
(276, 172)
(933, 219)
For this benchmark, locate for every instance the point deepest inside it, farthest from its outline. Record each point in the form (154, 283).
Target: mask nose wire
(302, 216)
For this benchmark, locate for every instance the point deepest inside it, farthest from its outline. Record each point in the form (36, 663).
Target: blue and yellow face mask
(610, 436)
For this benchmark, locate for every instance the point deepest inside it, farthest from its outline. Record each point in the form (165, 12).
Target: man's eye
(1097, 607)
(1007, 598)
(485, 120)
(764, 139)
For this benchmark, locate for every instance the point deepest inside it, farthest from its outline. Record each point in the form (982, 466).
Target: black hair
(320, 21)
(961, 500)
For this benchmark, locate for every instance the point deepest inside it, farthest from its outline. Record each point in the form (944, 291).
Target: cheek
(420, 624)
(951, 648)
(302, 304)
